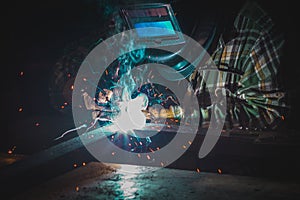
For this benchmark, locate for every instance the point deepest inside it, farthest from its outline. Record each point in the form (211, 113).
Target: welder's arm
(258, 102)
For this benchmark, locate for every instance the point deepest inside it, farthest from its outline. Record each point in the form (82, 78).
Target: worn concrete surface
(97, 181)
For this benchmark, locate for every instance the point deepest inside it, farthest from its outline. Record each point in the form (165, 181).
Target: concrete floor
(97, 181)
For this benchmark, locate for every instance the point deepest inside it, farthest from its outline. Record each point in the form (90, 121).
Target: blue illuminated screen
(167, 29)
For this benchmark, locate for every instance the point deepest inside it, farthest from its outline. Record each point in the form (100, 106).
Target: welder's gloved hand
(89, 102)
(98, 105)
(104, 96)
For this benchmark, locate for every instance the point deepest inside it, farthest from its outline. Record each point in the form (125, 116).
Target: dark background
(34, 35)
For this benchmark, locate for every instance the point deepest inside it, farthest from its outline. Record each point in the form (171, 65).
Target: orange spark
(77, 188)
(198, 170)
(20, 109)
(219, 171)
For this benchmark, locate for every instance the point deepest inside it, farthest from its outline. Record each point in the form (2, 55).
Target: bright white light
(131, 116)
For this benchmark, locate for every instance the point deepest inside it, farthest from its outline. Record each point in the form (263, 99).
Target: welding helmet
(204, 27)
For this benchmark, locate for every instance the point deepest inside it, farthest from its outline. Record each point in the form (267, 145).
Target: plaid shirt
(247, 70)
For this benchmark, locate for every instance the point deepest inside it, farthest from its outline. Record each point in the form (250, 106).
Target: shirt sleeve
(260, 97)
(259, 102)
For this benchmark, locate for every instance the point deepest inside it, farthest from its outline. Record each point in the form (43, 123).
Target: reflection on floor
(110, 181)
